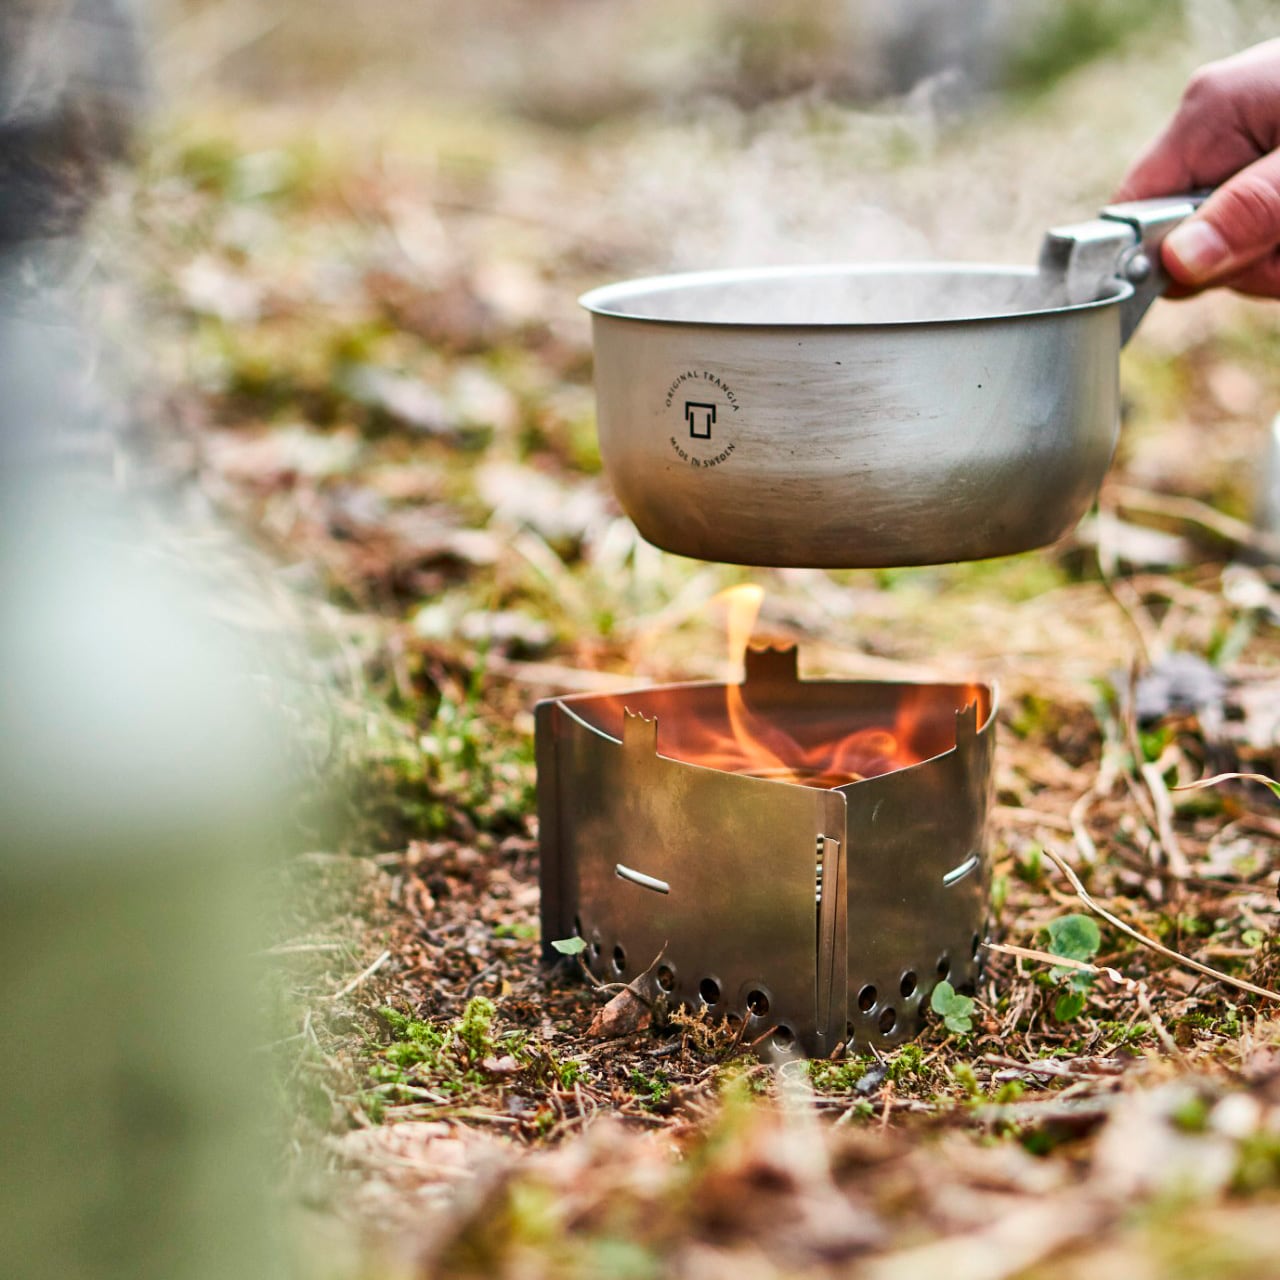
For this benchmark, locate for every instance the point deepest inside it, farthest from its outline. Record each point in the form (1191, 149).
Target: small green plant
(955, 1010)
(836, 1077)
(1074, 937)
(652, 1090)
(965, 1076)
(1069, 1006)
(569, 1073)
(1258, 1164)
(522, 931)
(569, 946)
(475, 1028)
(907, 1063)
(1029, 866)
(1010, 1091)
(1191, 1115)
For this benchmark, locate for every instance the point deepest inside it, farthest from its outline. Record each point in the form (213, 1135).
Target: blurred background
(287, 317)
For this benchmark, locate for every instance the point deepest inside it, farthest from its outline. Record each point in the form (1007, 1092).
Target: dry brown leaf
(625, 1014)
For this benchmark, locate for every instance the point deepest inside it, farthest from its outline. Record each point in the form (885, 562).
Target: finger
(1217, 129)
(1236, 226)
(1259, 280)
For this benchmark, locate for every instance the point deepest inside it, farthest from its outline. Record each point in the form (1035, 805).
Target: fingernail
(1197, 248)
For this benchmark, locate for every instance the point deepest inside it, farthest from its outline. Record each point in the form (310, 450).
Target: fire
(824, 756)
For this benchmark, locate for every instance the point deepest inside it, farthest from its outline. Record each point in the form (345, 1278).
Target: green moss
(906, 1064)
(836, 1077)
(651, 1090)
(475, 1027)
(1191, 1116)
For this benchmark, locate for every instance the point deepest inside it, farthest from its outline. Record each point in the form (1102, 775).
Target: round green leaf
(1074, 937)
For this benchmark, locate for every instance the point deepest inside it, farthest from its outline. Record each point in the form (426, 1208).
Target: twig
(1163, 805)
(1084, 841)
(1270, 783)
(1157, 1023)
(298, 948)
(1209, 972)
(363, 976)
(1191, 511)
(1048, 1067)
(1033, 817)
(1132, 610)
(1046, 957)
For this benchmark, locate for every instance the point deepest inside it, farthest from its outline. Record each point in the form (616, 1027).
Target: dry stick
(1083, 894)
(1062, 962)
(1270, 783)
(1163, 805)
(1084, 841)
(1160, 817)
(1133, 612)
(1191, 511)
(1033, 818)
(1157, 1024)
(363, 976)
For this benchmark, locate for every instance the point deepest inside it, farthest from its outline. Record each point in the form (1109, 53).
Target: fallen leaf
(625, 1014)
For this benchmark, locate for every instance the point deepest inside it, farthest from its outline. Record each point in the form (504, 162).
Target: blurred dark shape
(70, 81)
(1178, 682)
(913, 43)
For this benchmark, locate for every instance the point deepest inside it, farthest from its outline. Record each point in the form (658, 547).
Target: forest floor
(369, 343)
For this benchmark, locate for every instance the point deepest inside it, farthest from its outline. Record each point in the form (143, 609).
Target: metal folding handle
(1121, 243)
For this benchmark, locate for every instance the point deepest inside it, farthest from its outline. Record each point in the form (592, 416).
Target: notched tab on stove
(772, 664)
(967, 722)
(639, 733)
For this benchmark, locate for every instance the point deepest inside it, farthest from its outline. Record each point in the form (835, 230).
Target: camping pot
(864, 416)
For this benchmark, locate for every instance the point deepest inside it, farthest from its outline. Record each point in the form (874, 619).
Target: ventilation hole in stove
(888, 1020)
(595, 946)
(867, 998)
(709, 990)
(577, 926)
(976, 946)
(758, 1003)
(619, 959)
(783, 1036)
(908, 984)
(666, 977)
(944, 967)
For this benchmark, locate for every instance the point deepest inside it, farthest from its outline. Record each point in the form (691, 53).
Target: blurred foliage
(1072, 33)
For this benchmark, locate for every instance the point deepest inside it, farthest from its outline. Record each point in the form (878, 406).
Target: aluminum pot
(863, 416)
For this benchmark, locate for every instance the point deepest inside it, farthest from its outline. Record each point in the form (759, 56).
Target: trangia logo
(700, 417)
(707, 404)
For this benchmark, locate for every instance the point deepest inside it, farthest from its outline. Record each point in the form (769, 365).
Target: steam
(806, 181)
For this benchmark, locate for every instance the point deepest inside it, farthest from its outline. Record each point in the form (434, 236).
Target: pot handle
(1121, 243)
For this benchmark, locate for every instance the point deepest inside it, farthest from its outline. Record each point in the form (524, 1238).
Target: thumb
(1236, 225)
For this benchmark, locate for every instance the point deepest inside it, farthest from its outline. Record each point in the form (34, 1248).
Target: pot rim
(606, 299)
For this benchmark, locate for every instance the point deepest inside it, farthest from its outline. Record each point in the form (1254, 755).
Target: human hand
(1225, 134)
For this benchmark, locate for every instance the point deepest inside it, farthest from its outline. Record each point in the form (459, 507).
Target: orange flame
(803, 740)
(758, 746)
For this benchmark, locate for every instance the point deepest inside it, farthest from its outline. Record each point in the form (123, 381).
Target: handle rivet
(1138, 268)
